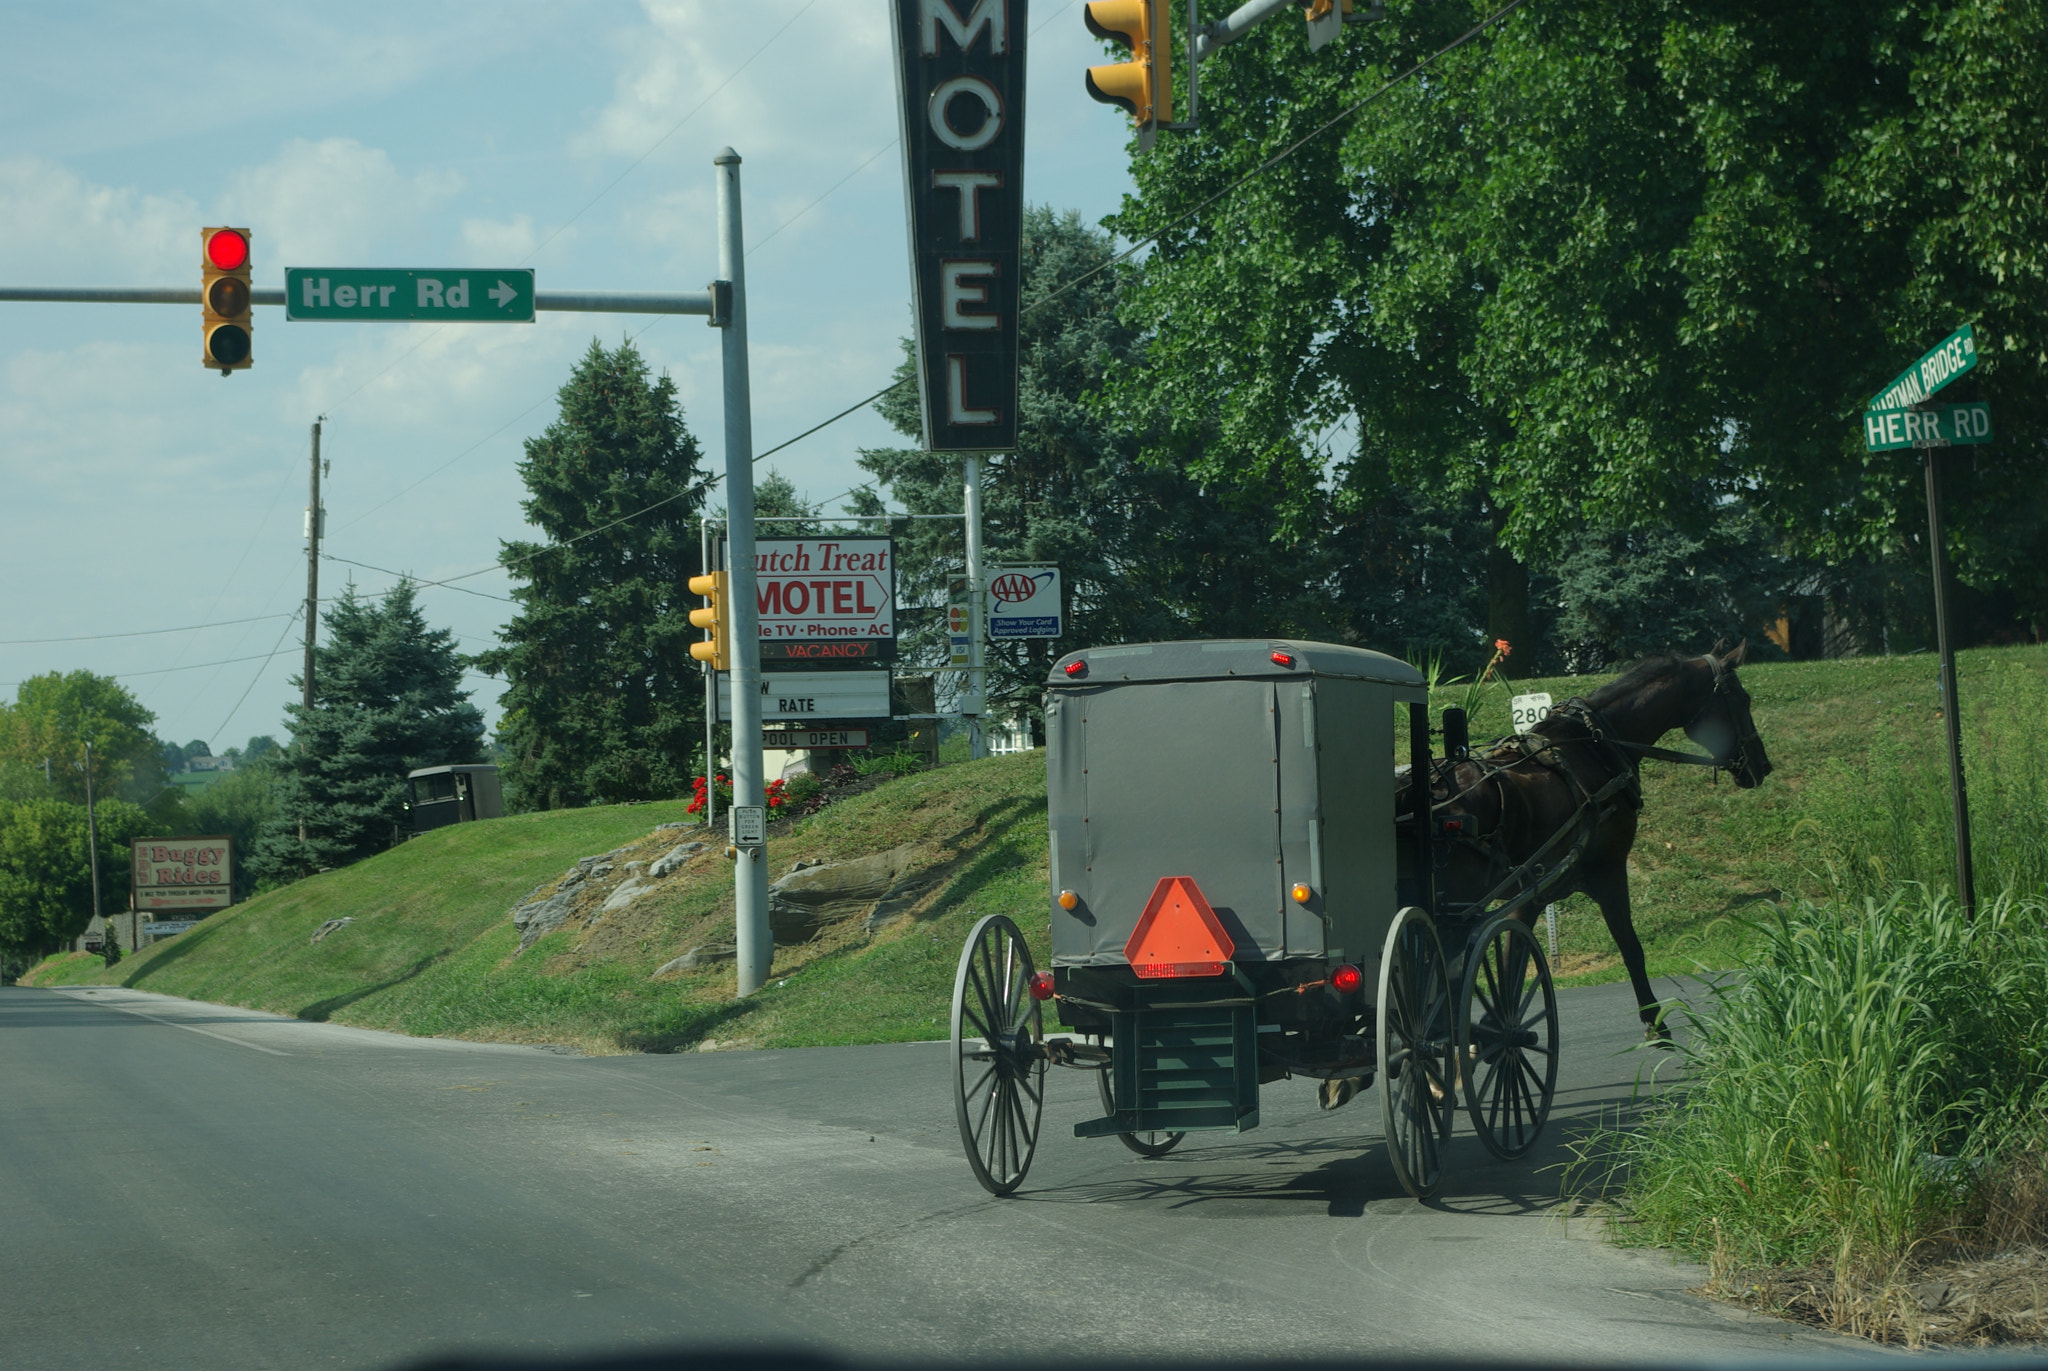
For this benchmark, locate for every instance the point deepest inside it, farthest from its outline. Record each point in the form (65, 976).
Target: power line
(275, 649)
(141, 632)
(408, 576)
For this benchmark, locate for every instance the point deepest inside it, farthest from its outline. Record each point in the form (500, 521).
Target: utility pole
(92, 830)
(975, 700)
(315, 525)
(1951, 711)
(754, 940)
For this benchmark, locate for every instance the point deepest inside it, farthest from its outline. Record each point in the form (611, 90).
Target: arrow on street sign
(1934, 426)
(380, 295)
(1953, 356)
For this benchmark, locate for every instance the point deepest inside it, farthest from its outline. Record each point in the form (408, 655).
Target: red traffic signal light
(1143, 85)
(225, 321)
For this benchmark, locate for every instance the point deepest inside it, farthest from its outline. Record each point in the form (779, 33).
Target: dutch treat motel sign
(388, 295)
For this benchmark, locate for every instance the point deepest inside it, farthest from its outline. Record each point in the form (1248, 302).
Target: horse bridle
(1597, 726)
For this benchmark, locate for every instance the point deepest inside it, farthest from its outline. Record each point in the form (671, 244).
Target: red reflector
(1178, 934)
(227, 250)
(1077, 668)
(1041, 985)
(1285, 659)
(1347, 978)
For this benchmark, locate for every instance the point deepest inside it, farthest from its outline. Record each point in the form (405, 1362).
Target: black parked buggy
(1235, 903)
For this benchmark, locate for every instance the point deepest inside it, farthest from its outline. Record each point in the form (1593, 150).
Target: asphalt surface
(188, 1185)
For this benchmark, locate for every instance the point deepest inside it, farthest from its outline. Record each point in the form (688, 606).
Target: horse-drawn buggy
(1245, 888)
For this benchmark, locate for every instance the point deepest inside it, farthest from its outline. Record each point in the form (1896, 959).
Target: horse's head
(1723, 725)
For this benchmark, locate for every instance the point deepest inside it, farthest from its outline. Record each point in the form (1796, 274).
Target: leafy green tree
(387, 699)
(605, 703)
(56, 714)
(1619, 261)
(46, 870)
(239, 804)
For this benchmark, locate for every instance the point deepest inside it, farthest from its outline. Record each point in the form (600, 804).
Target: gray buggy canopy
(1251, 765)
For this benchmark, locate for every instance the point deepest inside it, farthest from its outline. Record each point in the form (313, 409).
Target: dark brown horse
(1534, 818)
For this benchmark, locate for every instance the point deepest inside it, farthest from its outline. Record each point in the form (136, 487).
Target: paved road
(183, 1184)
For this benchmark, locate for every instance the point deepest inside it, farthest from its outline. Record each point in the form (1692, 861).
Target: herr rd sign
(1935, 426)
(457, 295)
(960, 83)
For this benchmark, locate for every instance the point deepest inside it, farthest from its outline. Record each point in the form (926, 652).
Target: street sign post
(380, 295)
(1934, 426)
(1953, 356)
(1024, 602)
(814, 695)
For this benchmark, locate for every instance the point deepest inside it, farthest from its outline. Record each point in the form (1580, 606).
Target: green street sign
(378, 295)
(1953, 356)
(1935, 426)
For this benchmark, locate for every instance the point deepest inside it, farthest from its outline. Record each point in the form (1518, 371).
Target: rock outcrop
(815, 896)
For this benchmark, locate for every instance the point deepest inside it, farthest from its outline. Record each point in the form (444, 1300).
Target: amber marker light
(1302, 894)
(1068, 899)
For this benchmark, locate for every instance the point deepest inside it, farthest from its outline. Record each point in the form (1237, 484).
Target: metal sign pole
(975, 700)
(1951, 711)
(754, 940)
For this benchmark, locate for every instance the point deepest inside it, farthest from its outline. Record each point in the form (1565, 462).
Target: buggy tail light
(1068, 899)
(1178, 934)
(1285, 659)
(1346, 978)
(1041, 985)
(1077, 668)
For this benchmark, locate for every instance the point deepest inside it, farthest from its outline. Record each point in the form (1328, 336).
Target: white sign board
(815, 695)
(1024, 602)
(1529, 710)
(183, 873)
(748, 825)
(824, 590)
(807, 739)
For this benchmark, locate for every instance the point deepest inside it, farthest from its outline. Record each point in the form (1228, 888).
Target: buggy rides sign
(184, 873)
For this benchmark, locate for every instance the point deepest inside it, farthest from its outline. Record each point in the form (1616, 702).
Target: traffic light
(1143, 85)
(224, 298)
(717, 649)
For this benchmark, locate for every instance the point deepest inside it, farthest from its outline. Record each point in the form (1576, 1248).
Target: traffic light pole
(754, 940)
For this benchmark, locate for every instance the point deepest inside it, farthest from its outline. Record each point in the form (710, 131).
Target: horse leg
(1608, 888)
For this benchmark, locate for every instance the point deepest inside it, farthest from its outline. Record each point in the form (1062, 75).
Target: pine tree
(387, 698)
(605, 703)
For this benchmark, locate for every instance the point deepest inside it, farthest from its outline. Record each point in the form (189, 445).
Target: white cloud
(330, 203)
(56, 228)
(501, 242)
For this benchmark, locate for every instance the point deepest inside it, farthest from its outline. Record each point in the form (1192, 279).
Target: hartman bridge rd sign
(381, 295)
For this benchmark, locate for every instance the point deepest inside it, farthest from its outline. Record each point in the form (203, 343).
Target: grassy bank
(432, 951)
(1865, 1117)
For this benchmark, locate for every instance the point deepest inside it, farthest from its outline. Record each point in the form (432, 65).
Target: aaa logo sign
(1024, 602)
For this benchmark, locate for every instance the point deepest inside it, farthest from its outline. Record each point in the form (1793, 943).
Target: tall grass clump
(1886, 822)
(1851, 1094)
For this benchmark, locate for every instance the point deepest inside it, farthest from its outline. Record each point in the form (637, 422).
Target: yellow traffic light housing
(1143, 85)
(717, 648)
(225, 319)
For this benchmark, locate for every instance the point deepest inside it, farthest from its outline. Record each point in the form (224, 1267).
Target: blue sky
(143, 492)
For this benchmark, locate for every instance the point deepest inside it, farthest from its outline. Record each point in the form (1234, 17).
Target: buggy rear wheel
(1507, 1037)
(1144, 1144)
(1416, 1038)
(998, 1055)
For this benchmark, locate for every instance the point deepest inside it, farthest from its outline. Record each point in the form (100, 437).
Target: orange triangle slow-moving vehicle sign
(1178, 934)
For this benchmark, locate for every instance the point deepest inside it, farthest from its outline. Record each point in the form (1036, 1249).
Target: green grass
(431, 951)
(1856, 744)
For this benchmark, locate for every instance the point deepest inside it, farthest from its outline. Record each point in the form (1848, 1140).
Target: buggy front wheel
(1507, 1037)
(998, 1055)
(1416, 1039)
(1149, 1144)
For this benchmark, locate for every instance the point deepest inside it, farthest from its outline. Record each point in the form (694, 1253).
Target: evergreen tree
(387, 698)
(605, 702)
